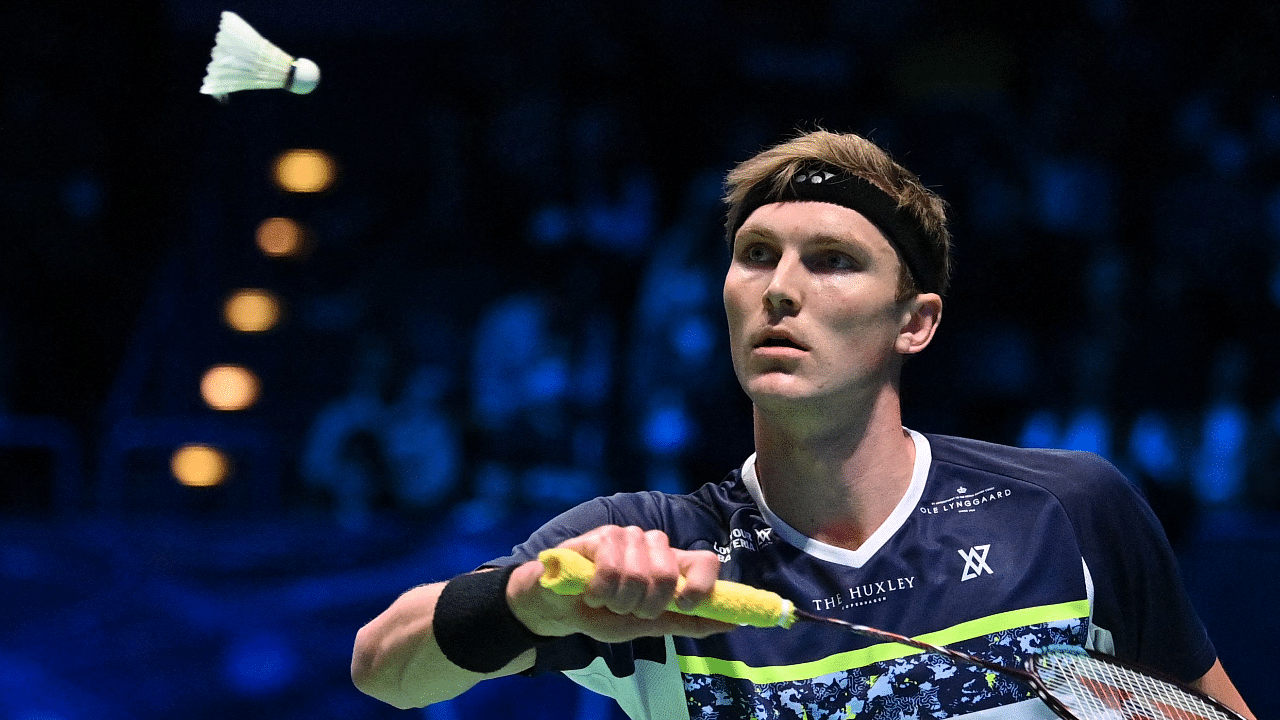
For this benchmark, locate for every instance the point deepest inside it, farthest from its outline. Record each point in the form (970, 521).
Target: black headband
(824, 183)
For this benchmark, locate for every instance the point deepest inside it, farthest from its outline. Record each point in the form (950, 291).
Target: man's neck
(839, 482)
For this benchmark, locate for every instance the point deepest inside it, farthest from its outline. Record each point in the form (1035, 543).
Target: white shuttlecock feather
(244, 60)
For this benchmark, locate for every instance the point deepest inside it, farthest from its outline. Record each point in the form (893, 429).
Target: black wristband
(474, 625)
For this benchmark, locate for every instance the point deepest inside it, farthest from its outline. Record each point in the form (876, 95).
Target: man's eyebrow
(757, 230)
(820, 238)
(829, 239)
(849, 239)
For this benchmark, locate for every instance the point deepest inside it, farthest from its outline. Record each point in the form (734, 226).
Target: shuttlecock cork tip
(304, 75)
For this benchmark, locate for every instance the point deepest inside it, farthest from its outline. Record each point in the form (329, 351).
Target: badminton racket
(1076, 684)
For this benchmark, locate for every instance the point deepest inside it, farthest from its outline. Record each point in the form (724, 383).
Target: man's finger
(701, 569)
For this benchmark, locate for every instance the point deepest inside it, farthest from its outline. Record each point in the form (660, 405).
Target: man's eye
(756, 253)
(838, 261)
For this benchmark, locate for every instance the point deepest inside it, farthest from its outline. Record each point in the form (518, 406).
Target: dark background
(510, 301)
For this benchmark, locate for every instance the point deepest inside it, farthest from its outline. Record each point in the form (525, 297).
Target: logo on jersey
(965, 500)
(975, 562)
(740, 539)
(865, 594)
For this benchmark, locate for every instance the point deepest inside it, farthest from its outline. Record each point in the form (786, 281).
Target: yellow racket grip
(565, 572)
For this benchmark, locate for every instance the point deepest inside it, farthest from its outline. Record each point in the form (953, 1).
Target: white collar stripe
(831, 553)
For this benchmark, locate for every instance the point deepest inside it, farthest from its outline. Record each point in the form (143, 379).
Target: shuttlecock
(244, 60)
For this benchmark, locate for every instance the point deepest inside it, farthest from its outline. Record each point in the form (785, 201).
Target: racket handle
(565, 572)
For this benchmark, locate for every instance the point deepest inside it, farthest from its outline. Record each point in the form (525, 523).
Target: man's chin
(778, 387)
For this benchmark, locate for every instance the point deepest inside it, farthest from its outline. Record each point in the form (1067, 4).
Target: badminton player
(839, 264)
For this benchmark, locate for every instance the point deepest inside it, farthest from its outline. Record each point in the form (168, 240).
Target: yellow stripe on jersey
(885, 651)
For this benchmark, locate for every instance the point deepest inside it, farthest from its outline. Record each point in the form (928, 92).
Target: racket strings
(1094, 689)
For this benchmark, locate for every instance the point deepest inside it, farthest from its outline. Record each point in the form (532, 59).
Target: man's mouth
(779, 341)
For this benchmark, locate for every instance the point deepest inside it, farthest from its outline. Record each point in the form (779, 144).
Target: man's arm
(1217, 685)
(397, 659)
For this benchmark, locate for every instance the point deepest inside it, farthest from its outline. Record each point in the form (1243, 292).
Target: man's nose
(783, 294)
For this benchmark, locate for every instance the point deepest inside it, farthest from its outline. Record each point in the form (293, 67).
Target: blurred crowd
(1116, 202)
(513, 298)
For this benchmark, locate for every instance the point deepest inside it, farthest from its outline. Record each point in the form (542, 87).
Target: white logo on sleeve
(975, 562)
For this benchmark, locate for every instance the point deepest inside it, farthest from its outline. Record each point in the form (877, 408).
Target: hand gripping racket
(1075, 683)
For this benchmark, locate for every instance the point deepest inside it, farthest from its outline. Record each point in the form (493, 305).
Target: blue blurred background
(501, 296)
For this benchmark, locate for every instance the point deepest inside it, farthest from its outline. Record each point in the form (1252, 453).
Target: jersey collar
(831, 553)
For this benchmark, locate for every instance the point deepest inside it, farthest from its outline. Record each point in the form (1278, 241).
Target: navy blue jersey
(995, 551)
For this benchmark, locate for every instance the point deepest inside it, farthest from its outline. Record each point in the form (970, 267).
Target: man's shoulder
(1056, 470)
(684, 517)
(1097, 498)
(715, 500)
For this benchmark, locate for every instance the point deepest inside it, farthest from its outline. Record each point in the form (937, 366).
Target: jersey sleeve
(569, 524)
(1139, 595)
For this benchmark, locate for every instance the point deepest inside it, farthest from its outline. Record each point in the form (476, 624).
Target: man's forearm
(397, 660)
(1216, 684)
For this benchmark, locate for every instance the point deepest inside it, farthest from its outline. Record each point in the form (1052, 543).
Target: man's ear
(920, 320)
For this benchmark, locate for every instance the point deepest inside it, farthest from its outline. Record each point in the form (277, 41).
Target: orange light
(251, 310)
(304, 171)
(229, 387)
(199, 466)
(280, 237)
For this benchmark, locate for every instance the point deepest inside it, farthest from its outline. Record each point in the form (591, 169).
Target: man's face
(810, 298)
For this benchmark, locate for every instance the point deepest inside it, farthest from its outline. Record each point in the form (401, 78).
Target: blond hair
(775, 167)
